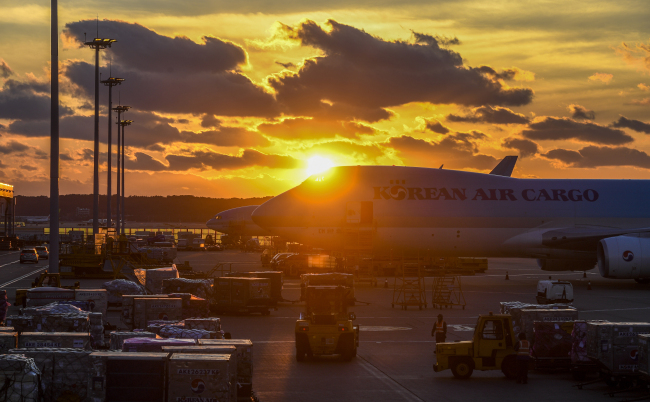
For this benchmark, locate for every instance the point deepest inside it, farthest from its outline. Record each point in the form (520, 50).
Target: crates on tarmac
(8, 340)
(21, 323)
(118, 375)
(209, 323)
(276, 279)
(615, 345)
(145, 310)
(118, 338)
(152, 279)
(529, 316)
(98, 299)
(58, 340)
(127, 307)
(194, 376)
(328, 279)
(64, 372)
(644, 354)
(47, 295)
(198, 287)
(552, 344)
(153, 345)
(244, 360)
(20, 379)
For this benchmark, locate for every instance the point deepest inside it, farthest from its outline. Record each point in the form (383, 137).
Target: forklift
(491, 348)
(325, 327)
(45, 279)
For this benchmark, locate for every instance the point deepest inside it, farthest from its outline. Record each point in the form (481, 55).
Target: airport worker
(439, 329)
(523, 355)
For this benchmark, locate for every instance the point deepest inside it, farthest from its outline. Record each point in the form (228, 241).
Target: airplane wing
(505, 167)
(584, 238)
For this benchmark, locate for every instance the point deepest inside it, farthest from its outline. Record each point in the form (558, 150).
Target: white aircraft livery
(565, 224)
(237, 221)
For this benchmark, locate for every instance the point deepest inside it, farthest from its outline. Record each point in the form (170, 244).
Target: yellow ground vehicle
(326, 328)
(491, 348)
(45, 279)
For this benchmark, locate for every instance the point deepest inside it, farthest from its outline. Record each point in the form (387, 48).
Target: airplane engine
(624, 257)
(551, 264)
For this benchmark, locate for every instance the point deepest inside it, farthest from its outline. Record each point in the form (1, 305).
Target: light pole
(97, 44)
(119, 109)
(54, 140)
(110, 83)
(123, 123)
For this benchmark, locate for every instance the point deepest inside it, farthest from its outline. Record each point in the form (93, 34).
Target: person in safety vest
(439, 329)
(523, 355)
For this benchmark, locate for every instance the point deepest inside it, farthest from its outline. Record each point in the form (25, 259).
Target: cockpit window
(217, 217)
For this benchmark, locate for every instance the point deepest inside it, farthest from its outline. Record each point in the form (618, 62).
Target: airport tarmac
(395, 356)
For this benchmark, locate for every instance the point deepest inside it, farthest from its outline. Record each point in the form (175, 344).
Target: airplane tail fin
(505, 167)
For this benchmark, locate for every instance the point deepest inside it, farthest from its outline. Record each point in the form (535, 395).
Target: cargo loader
(326, 327)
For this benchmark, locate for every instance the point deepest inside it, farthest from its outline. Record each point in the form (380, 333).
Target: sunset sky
(231, 99)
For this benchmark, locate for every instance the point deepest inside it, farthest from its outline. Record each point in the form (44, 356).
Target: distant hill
(175, 208)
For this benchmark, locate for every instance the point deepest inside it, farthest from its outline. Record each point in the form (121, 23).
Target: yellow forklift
(491, 348)
(45, 279)
(325, 327)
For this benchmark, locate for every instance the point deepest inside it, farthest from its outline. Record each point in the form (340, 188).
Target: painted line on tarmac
(9, 263)
(393, 384)
(24, 276)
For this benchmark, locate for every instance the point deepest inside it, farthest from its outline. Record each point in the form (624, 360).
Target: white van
(549, 291)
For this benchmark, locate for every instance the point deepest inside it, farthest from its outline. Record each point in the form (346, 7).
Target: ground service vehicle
(42, 252)
(325, 327)
(491, 348)
(549, 291)
(45, 279)
(28, 254)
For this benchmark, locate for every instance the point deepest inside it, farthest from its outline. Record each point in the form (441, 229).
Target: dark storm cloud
(581, 113)
(209, 120)
(435, 126)
(635, 125)
(144, 161)
(29, 168)
(302, 128)
(524, 146)
(12, 147)
(493, 115)
(286, 65)
(26, 101)
(142, 49)
(435, 40)
(507, 74)
(458, 151)
(173, 75)
(5, 70)
(363, 70)
(553, 128)
(213, 160)
(155, 148)
(595, 156)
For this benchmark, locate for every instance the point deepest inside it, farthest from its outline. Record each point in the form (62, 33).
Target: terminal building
(7, 211)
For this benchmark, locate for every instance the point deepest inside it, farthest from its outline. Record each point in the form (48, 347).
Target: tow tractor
(325, 327)
(491, 348)
(45, 279)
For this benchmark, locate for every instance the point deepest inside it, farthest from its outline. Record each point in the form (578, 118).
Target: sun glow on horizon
(318, 164)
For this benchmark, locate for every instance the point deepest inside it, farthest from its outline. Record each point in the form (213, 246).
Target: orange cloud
(602, 77)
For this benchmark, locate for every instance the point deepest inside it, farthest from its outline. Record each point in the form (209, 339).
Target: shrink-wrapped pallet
(47, 295)
(20, 379)
(529, 316)
(145, 310)
(209, 323)
(198, 287)
(211, 350)
(53, 308)
(58, 340)
(579, 343)
(127, 307)
(61, 323)
(552, 340)
(235, 291)
(120, 287)
(615, 345)
(156, 325)
(196, 376)
(644, 354)
(64, 372)
(96, 329)
(152, 344)
(171, 331)
(96, 298)
(515, 310)
(244, 357)
(21, 323)
(152, 279)
(118, 338)
(8, 340)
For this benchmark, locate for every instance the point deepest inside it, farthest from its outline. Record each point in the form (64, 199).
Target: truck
(549, 291)
(326, 327)
(491, 348)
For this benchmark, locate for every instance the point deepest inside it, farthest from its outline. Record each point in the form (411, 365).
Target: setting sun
(318, 164)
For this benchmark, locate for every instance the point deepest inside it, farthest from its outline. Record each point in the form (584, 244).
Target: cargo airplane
(565, 224)
(237, 222)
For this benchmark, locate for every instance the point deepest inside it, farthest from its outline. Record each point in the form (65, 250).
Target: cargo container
(59, 340)
(64, 372)
(145, 310)
(551, 344)
(8, 340)
(98, 299)
(529, 316)
(46, 295)
(644, 354)
(328, 279)
(127, 307)
(276, 279)
(118, 338)
(242, 295)
(153, 345)
(152, 279)
(128, 376)
(212, 350)
(198, 377)
(614, 345)
(244, 361)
